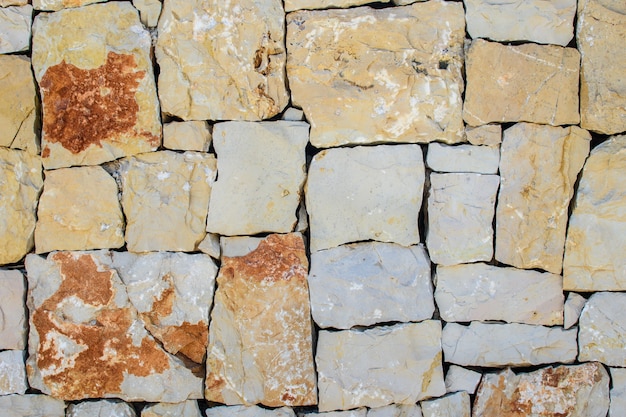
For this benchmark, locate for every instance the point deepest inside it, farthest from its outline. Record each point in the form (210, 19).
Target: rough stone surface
(86, 339)
(525, 83)
(222, 61)
(96, 82)
(20, 184)
(364, 193)
(357, 412)
(5, 3)
(396, 410)
(618, 392)
(211, 245)
(173, 294)
(79, 210)
(484, 292)
(602, 334)
(188, 408)
(539, 166)
(12, 372)
(596, 237)
(463, 158)
(397, 364)
(600, 34)
(571, 311)
(498, 345)
(489, 135)
(101, 408)
(460, 217)
(187, 136)
(572, 391)
(293, 114)
(291, 5)
(249, 411)
(261, 172)
(165, 197)
(452, 405)
(15, 26)
(368, 283)
(12, 310)
(18, 114)
(462, 379)
(31, 405)
(536, 21)
(55, 5)
(260, 342)
(149, 11)
(368, 76)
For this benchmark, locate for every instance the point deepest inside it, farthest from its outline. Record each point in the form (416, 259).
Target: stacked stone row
(443, 236)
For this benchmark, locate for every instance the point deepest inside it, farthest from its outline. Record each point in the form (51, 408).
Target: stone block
(602, 329)
(462, 379)
(452, 405)
(12, 372)
(113, 408)
(31, 405)
(187, 136)
(618, 392)
(248, 411)
(395, 410)
(291, 5)
(188, 408)
(56, 5)
(571, 311)
(489, 135)
(149, 11)
(12, 310)
(463, 158)
(15, 26)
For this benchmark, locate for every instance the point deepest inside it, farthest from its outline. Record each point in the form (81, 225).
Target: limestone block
(12, 310)
(463, 158)
(55, 5)
(573, 306)
(86, 339)
(600, 35)
(375, 367)
(173, 294)
(539, 166)
(187, 136)
(396, 410)
(524, 83)
(291, 5)
(618, 392)
(222, 60)
(149, 11)
(187, 408)
(366, 75)
(79, 210)
(367, 283)
(573, 391)
(260, 342)
(452, 405)
(12, 372)
(602, 334)
(238, 245)
(489, 135)
(15, 26)
(596, 238)
(20, 184)
(536, 21)
(462, 379)
(484, 292)
(261, 170)
(249, 411)
(460, 217)
(211, 245)
(499, 345)
(18, 107)
(165, 197)
(97, 86)
(293, 114)
(31, 405)
(365, 193)
(99, 408)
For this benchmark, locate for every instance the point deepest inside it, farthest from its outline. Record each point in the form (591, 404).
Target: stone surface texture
(375, 367)
(460, 216)
(86, 339)
(489, 135)
(20, 184)
(79, 210)
(96, 83)
(499, 345)
(537, 21)
(222, 60)
(31, 405)
(618, 392)
(571, 311)
(462, 379)
(452, 405)
(369, 76)
(572, 391)
(600, 34)
(15, 26)
(101, 408)
(165, 197)
(596, 237)
(291, 5)
(481, 292)
(149, 11)
(262, 168)
(602, 334)
(463, 158)
(12, 310)
(55, 5)
(187, 136)
(539, 166)
(367, 283)
(396, 410)
(12, 372)
(248, 411)
(524, 83)
(365, 193)
(187, 408)
(260, 342)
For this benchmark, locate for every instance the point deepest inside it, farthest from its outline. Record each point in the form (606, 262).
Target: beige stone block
(149, 11)
(367, 75)
(15, 27)
(463, 158)
(55, 5)
(539, 166)
(524, 83)
(5, 3)
(490, 135)
(12, 310)
(187, 136)
(452, 405)
(97, 86)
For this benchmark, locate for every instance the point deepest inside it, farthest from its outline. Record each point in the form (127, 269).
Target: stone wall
(265, 208)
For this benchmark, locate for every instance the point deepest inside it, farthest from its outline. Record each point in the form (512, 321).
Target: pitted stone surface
(31, 405)
(15, 26)
(111, 408)
(12, 310)
(12, 372)
(602, 334)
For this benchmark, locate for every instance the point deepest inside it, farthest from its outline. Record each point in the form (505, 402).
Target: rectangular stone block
(452, 405)
(12, 372)
(12, 310)
(618, 392)
(32, 405)
(291, 5)
(113, 408)
(187, 136)
(15, 26)
(490, 135)
(463, 158)
(55, 5)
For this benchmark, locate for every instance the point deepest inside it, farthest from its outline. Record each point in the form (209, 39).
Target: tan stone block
(55, 5)
(149, 11)
(187, 136)
(490, 135)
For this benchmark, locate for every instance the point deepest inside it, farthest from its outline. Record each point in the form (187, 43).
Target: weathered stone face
(54, 5)
(96, 82)
(222, 61)
(32, 405)
(187, 136)
(452, 405)
(100, 408)
(369, 76)
(601, 335)
(187, 408)
(15, 24)
(291, 5)
(260, 341)
(12, 310)
(12, 372)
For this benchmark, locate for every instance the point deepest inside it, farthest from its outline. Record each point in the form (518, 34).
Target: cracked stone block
(12, 310)
(452, 405)
(12, 372)
(113, 408)
(462, 379)
(31, 405)
(489, 135)
(601, 329)
(187, 136)
(15, 26)
(187, 408)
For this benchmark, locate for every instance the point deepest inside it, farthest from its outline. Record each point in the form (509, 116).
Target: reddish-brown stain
(87, 107)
